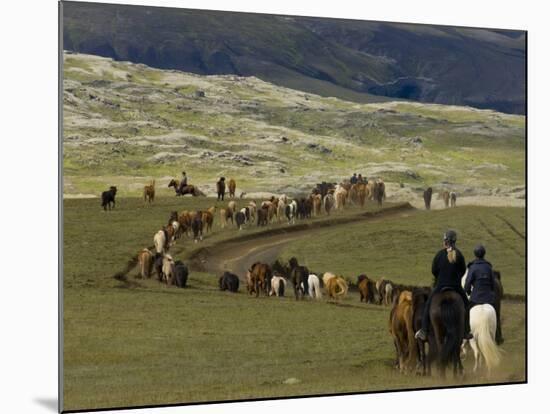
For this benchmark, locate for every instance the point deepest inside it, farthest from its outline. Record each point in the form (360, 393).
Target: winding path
(236, 255)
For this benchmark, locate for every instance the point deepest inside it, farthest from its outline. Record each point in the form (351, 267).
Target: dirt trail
(237, 255)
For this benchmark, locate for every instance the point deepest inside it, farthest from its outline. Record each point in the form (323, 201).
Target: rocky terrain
(127, 123)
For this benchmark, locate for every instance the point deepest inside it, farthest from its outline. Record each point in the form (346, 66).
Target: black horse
(447, 315)
(108, 198)
(229, 281)
(299, 276)
(181, 273)
(428, 198)
(220, 187)
(419, 299)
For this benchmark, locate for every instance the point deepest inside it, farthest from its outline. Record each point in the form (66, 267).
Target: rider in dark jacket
(481, 285)
(448, 266)
(353, 179)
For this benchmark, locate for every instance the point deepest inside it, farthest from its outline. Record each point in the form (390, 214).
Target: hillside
(354, 60)
(125, 123)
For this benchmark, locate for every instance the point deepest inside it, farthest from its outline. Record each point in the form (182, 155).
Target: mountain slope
(125, 123)
(352, 60)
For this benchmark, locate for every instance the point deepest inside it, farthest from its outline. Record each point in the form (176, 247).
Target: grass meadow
(138, 342)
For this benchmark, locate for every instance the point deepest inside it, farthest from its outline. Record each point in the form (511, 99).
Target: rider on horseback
(448, 266)
(183, 182)
(480, 284)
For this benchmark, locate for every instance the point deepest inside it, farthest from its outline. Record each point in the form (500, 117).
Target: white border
(29, 202)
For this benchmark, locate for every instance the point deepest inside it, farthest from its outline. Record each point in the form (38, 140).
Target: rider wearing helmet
(448, 266)
(481, 286)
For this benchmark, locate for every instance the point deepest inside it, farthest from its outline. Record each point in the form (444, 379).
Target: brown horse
(145, 260)
(256, 278)
(189, 189)
(401, 330)
(445, 195)
(232, 186)
(379, 191)
(367, 289)
(149, 192)
(447, 330)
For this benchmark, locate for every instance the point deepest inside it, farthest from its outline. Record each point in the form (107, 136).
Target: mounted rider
(481, 285)
(183, 183)
(448, 266)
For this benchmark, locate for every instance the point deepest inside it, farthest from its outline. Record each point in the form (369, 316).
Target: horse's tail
(281, 291)
(485, 325)
(450, 318)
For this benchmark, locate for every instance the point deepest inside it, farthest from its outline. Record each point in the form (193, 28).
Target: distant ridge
(359, 61)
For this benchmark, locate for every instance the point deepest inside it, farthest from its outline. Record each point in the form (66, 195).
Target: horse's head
(172, 183)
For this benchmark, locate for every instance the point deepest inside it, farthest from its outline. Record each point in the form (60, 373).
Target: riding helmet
(479, 251)
(450, 236)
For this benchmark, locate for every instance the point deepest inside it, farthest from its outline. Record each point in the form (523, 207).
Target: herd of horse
(407, 302)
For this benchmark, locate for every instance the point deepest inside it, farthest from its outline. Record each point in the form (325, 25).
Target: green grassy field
(137, 342)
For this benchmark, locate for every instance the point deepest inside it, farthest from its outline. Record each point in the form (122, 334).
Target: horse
(362, 193)
(340, 195)
(278, 284)
(402, 332)
(447, 328)
(262, 214)
(181, 272)
(188, 189)
(253, 208)
(232, 187)
(314, 287)
(335, 286)
(366, 288)
(168, 269)
(428, 198)
(257, 275)
(299, 277)
(161, 242)
(379, 191)
(281, 209)
(149, 192)
(108, 198)
(452, 195)
(220, 188)
(240, 218)
(499, 293)
(197, 225)
(317, 201)
(483, 321)
(445, 195)
(290, 212)
(145, 260)
(229, 281)
(385, 288)
(328, 203)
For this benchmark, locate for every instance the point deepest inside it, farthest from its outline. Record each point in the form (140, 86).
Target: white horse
(276, 288)
(290, 211)
(159, 240)
(168, 269)
(483, 321)
(281, 206)
(314, 287)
